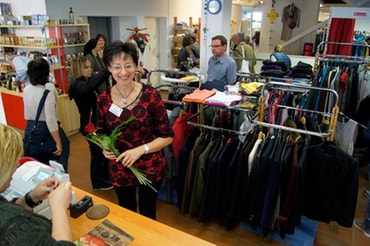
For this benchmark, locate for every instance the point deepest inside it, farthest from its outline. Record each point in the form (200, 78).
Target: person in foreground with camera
(18, 224)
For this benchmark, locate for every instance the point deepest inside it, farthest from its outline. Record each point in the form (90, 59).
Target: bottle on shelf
(71, 16)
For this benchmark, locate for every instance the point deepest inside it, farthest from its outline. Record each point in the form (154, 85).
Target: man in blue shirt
(221, 67)
(19, 64)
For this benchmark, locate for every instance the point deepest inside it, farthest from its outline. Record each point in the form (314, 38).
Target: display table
(14, 113)
(145, 231)
(181, 82)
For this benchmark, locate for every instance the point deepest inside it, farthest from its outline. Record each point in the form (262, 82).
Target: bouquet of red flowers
(108, 143)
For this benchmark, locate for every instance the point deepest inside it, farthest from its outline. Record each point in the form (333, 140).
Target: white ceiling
(350, 3)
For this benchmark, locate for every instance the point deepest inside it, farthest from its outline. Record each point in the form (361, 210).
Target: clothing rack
(213, 128)
(289, 87)
(339, 58)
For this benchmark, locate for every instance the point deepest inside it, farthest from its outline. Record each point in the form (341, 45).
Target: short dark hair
(38, 71)
(100, 35)
(222, 39)
(117, 48)
(187, 40)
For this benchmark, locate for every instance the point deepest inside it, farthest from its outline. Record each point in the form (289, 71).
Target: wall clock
(214, 7)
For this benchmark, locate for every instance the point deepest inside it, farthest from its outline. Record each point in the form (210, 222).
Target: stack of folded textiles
(274, 69)
(302, 70)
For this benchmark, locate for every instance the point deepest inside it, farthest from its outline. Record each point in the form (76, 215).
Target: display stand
(305, 233)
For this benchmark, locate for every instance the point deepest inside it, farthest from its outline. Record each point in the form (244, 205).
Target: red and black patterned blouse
(150, 121)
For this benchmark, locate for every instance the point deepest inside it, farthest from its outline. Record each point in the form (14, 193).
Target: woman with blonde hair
(84, 92)
(18, 224)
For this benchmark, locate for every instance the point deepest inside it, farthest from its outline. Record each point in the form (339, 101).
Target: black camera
(80, 207)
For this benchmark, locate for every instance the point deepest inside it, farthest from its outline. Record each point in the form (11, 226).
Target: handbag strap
(243, 52)
(41, 105)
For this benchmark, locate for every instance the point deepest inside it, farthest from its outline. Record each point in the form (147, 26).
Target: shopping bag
(245, 67)
(38, 142)
(245, 64)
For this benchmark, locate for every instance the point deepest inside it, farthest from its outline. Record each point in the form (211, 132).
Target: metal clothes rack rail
(200, 112)
(213, 128)
(289, 87)
(339, 58)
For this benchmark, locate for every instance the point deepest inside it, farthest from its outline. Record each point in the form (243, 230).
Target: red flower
(90, 128)
(108, 142)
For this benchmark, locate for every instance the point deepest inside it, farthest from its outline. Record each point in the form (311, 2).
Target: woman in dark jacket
(84, 91)
(187, 57)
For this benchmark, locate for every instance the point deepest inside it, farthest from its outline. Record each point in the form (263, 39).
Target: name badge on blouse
(114, 109)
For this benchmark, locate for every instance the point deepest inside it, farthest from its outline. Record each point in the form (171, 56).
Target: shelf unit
(56, 41)
(178, 33)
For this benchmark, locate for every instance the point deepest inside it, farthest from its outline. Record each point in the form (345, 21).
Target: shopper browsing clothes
(242, 45)
(19, 225)
(84, 92)
(187, 57)
(55, 145)
(146, 132)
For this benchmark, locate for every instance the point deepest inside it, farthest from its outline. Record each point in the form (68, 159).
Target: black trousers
(99, 173)
(147, 198)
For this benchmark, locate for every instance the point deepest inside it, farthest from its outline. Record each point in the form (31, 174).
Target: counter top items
(144, 231)
(97, 212)
(106, 233)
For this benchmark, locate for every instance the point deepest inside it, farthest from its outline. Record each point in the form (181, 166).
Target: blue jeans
(367, 214)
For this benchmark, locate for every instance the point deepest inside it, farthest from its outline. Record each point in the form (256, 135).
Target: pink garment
(199, 96)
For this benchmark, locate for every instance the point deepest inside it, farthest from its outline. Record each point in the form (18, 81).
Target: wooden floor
(328, 234)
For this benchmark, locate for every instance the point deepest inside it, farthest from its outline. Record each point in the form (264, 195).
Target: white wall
(271, 33)
(27, 7)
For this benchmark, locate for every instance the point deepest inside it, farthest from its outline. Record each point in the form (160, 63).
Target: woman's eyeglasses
(127, 67)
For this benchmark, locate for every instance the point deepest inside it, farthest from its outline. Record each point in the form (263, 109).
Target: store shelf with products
(56, 42)
(179, 30)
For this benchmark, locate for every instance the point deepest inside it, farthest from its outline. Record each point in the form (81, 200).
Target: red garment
(341, 31)
(150, 121)
(180, 128)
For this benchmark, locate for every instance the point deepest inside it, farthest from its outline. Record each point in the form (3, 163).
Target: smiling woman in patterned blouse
(143, 138)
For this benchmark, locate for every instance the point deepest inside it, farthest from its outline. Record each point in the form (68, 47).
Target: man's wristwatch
(30, 203)
(146, 149)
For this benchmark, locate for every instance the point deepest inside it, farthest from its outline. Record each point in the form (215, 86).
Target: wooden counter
(144, 230)
(13, 108)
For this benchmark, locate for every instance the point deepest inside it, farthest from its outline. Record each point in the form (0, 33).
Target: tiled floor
(327, 235)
